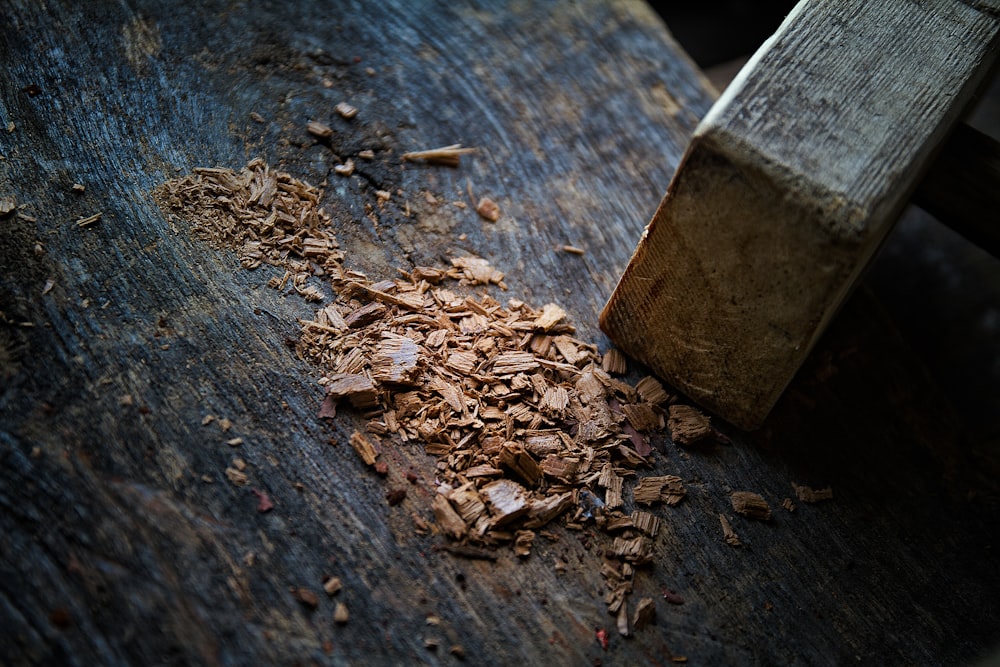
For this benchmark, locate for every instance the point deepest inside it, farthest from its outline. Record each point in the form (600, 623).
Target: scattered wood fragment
(688, 426)
(652, 391)
(365, 448)
(728, 534)
(332, 585)
(346, 110)
(572, 250)
(317, 129)
(78, 188)
(8, 205)
(89, 220)
(807, 494)
(340, 614)
(666, 489)
(448, 155)
(751, 505)
(345, 169)
(488, 209)
(613, 362)
(308, 599)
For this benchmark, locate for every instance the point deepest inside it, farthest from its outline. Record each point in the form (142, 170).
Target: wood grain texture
(117, 551)
(791, 183)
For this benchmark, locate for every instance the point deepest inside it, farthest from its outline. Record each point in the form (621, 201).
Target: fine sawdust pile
(528, 424)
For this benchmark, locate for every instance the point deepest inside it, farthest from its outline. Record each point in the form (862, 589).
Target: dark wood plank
(116, 551)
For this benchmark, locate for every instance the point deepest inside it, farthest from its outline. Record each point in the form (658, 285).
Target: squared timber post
(787, 189)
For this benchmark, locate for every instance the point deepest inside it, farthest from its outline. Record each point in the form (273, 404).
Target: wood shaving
(448, 155)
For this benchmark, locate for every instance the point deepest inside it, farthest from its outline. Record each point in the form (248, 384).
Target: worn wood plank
(118, 550)
(791, 184)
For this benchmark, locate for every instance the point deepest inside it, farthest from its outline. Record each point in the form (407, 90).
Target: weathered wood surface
(790, 185)
(116, 551)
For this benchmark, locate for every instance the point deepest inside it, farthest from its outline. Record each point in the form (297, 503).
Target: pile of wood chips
(528, 424)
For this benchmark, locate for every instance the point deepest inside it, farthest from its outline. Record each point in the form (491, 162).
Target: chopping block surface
(126, 538)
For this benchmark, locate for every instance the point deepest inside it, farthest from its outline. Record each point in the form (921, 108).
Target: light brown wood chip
(365, 448)
(751, 505)
(688, 426)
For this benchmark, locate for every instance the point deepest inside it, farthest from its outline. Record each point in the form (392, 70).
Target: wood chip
(728, 534)
(636, 550)
(346, 110)
(652, 391)
(8, 205)
(89, 220)
(667, 489)
(359, 390)
(365, 448)
(642, 416)
(688, 426)
(332, 585)
(751, 505)
(614, 362)
(507, 500)
(807, 494)
(523, 540)
(519, 463)
(646, 522)
(488, 209)
(550, 316)
(448, 519)
(340, 614)
(306, 597)
(572, 250)
(448, 155)
(317, 129)
(345, 169)
(478, 271)
(397, 361)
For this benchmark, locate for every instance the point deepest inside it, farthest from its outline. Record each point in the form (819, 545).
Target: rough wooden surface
(117, 551)
(791, 184)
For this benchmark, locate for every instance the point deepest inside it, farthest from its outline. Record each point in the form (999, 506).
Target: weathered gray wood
(115, 551)
(790, 185)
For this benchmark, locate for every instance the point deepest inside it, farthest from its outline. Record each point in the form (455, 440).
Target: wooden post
(788, 187)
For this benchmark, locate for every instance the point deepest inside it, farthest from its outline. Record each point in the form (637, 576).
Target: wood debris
(89, 220)
(340, 614)
(332, 585)
(8, 205)
(751, 505)
(728, 534)
(613, 362)
(664, 489)
(317, 129)
(652, 391)
(525, 421)
(346, 110)
(688, 425)
(807, 494)
(573, 250)
(488, 209)
(365, 448)
(266, 216)
(448, 156)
